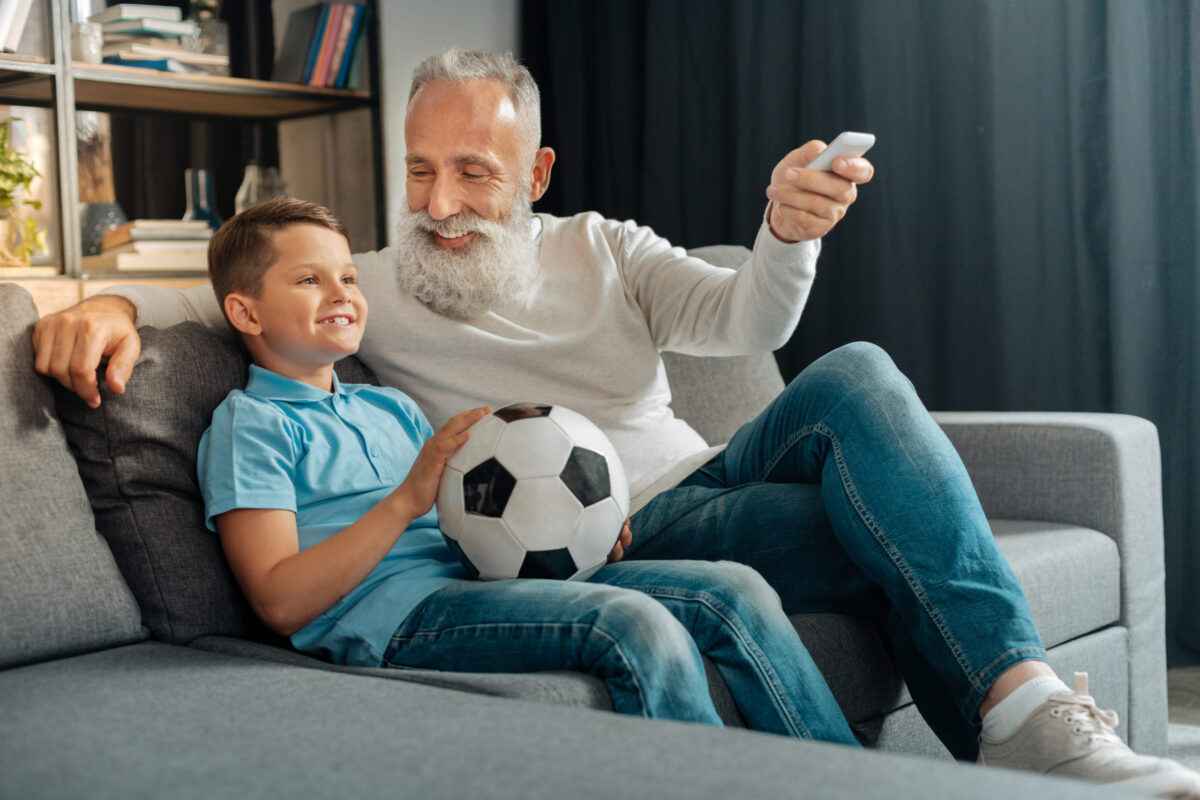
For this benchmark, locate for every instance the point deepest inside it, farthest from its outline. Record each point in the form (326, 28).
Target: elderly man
(844, 493)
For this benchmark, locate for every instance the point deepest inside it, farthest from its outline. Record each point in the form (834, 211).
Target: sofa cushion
(153, 720)
(60, 589)
(137, 456)
(715, 395)
(1071, 575)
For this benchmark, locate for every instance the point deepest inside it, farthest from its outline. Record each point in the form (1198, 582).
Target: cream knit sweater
(609, 296)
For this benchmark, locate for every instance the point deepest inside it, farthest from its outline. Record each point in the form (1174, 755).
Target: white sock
(1008, 715)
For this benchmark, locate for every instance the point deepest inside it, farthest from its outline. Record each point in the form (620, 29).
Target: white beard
(495, 270)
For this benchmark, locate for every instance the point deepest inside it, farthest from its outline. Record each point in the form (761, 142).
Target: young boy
(323, 493)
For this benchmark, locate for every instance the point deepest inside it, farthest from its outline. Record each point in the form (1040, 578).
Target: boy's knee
(644, 629)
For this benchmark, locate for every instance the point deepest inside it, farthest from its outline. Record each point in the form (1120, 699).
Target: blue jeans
(848, 498)
(640, 627)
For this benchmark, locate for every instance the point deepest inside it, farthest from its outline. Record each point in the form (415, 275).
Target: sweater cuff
(800, 255)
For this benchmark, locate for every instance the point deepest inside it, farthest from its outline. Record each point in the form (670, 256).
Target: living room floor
(1183, 700)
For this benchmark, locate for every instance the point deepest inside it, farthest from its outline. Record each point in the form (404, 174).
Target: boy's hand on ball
(421, 486)
(623, 541)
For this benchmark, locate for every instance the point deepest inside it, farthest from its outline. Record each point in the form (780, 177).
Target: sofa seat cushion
(1073, 572)
(137, 456)
(60, 590)
(1071, 575)
(157, 720)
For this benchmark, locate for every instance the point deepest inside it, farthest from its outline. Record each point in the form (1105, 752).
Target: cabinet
(43, 81)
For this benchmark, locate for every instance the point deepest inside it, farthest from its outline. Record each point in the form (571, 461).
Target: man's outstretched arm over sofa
(68, 345)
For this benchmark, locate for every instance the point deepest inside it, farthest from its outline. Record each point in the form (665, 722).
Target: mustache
(462, 222)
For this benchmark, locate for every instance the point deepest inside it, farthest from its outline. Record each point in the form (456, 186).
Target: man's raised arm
(69, 344)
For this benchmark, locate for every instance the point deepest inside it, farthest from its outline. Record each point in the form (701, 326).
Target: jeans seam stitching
(881, 539)
(616, 646)
(708, 601)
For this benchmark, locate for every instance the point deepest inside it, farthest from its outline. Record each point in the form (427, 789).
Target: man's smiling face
(474, 169)
(466, 153)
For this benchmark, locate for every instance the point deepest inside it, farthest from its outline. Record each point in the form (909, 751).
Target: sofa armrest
(1100, 471)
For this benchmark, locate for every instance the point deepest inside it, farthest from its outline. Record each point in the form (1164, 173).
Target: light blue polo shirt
(329, 457)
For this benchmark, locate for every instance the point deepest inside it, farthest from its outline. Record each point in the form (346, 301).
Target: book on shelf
(332, 26)
(150, 25)
(143, 52)
(160, 64)
(296, 44)
(171, 42)
(166, 261)
(13, 16)
(156, 246)
(323, 45)
(144, 229)
(339, 46)
(136, 11)
(314, 49)
(355, 49)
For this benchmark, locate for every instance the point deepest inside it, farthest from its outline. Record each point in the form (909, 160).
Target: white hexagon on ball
(451, 513)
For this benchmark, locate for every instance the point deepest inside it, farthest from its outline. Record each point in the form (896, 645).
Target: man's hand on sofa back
(69, 344)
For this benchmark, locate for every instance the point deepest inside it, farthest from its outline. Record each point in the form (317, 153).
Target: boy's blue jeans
(640, 627)
(847, 497)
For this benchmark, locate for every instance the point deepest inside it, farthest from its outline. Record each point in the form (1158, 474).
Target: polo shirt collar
(272, 386)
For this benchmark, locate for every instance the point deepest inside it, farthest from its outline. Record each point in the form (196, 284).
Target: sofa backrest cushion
(715, 395)
(137, 456)
(60, 590)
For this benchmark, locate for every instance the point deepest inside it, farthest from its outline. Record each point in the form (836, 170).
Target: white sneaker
(1069, 736)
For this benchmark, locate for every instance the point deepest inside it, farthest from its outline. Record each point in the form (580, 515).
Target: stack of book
(323, 46)
(13, 16)
(152, 37)
(150, 245)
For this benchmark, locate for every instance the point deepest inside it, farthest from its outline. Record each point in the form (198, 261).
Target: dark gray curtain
(1030, 241)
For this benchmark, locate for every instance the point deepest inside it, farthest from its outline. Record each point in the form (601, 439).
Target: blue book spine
(355, 34)
(316, 43)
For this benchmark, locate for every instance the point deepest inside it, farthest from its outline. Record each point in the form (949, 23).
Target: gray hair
(461, 66)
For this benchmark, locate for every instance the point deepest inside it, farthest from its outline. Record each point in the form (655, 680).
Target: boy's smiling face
(309, 311)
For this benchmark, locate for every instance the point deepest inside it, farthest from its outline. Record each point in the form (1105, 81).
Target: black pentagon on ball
(554, 564)
(458, 551)
(486, 489)
(516, 411)
(586, 475)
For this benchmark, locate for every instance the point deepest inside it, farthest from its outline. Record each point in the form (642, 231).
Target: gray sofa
(130, 666)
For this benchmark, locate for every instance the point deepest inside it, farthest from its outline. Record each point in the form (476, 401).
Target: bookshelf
(43, 76)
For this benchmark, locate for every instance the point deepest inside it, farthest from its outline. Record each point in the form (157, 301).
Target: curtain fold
(1030, 240)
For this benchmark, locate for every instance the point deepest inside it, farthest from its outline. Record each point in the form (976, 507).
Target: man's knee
(855, 369)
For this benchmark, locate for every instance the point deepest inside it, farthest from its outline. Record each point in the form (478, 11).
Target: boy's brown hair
(241, 251)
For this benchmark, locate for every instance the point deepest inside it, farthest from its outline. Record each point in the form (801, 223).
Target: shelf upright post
(68, 147)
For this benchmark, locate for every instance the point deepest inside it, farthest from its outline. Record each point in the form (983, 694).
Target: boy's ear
(239, 310)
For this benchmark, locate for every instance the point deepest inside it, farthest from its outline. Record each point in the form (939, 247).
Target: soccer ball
(536, 492)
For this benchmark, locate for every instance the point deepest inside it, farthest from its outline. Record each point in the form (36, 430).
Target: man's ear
(542, 164)
(239, 310)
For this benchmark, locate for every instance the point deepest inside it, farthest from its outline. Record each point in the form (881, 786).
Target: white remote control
(849, 144)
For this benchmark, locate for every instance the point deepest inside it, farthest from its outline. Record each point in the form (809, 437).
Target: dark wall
(1029, 242)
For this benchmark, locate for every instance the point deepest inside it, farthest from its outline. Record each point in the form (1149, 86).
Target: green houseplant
(16, 174)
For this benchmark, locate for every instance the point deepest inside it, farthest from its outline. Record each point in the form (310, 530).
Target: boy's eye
(350, 279)
(309, 279)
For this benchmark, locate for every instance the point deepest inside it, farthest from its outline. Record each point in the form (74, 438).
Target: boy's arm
(289, 587)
